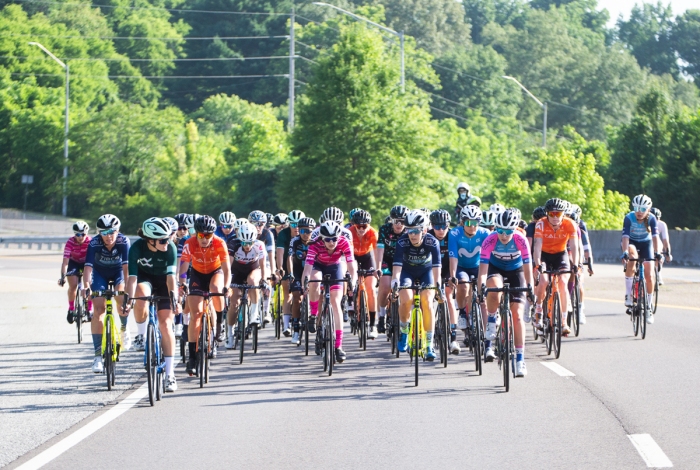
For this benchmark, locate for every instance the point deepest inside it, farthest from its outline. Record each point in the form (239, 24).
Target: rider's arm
(280, 257)
(87, 276)
(453, 267)
(483, 270)
(537, 252)
(64, 267)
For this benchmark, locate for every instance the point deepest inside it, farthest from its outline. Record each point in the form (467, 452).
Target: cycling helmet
(257, 216)
(539, 212)
(555, 204)
(295, 216)
(461, 186)
(387, 219)
(108, 221)
(269, 217)
(172, 222)
(279, 219)
(488, 218)
(642, 200)
(516, 211)
(321, 219)
(156, 228)
(398, 212)
(330, 228)
(474, 201)
(227, 218)
(352, 212)
(426, 212)
(654, 210)
(415, 219)
(471, 213)
(361, 217)
(507, 220)
(497, 208)
(522, 224)
(307, 222)
(247, 233)
(334, 214)
(185, 220)
(440, 217)
(80, 227)
(204, 224)
(574, 213)
(239, 223)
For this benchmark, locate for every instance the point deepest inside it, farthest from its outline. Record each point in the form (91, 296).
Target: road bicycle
(304, 322)
(392, 324)
(359, 322)
(277, 308)
(639, 308)
(552, 315)
(244, 330)
(442, 326)
(205, 343)
(111, 339)
(575, 295)
(474, 335)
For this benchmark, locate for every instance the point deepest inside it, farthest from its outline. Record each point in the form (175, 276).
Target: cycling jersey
(530, 229)
(239, 256)
(365, 244)
(181, 245)
(427, 254)
(297, 250)
(639, 231)
(506, 257)
(318, 253)
(157, 263)
(283, 238)
(344, 233)
(220, 233)
(555, 240)
(205, 260)
(108, 260)
(267, 238)
(661, 226)
(76, 251)
(465, 248)
(387, 240)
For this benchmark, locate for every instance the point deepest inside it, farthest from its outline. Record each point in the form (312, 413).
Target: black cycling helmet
(555, 204)
(440, 217)
(205, 224)
(398, 212)
(181, 219)
(656, 212)
(539, 212)
(361, 216)
(522, 224)
(306, 222)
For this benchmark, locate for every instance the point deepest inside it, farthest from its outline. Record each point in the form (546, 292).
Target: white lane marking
(650, 451)
(557, 369)
(33, 279)
(63, 445)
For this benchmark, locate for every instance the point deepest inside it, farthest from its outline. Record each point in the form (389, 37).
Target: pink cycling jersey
(75, 251)
(318, 252)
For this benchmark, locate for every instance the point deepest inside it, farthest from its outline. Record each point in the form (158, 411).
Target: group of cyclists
(192, 255)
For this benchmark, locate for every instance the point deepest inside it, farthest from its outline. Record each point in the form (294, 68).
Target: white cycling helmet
(415, 218)
(80, 227)
(470, 213)
(295, 216)
(247, 233)
(156, 228)
(334, 214)
(330, 228)
(257, 217)
(497, 208)
(463, 185)
(488, 218)
(227, 218)
(642, 200)
(238, 223)
(108, 221)
(172, 222)
(280, 219)
(507, 220)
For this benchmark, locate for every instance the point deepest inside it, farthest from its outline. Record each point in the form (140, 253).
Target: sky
(615, 7)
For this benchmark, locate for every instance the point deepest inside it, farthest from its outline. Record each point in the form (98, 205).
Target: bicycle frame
(111, 340)
(554, 324)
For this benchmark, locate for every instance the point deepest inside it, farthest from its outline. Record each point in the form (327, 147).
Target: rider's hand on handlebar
(394, 284)
(62, 281)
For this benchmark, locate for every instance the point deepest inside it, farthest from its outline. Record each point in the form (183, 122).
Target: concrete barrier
(685, 246)
(41, 243)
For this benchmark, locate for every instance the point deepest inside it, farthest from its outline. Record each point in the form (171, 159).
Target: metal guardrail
(40, 243)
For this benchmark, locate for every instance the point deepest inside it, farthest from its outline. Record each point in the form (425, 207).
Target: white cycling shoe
(170, 384)
(178, 330)
(140, 343)
(581, 317)
(373, 333)
(454, 348)
(492, 328)
(462, 322)
(97, 366)
(650, 318)
(520, 369)
(296, 338)
(229, 342)
(126, 340)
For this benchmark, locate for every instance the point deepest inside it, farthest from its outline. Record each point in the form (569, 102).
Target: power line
(144, 38)
(179, 10)
(150, 76)
(125, 59)
(461, 73)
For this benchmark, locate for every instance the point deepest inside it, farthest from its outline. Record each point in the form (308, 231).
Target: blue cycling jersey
(108, 260)
(220, 233)
(639, 231)
(466, 249)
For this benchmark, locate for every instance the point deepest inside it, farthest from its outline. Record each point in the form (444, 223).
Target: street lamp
(383, 28)
(64, 209)
(542, 105)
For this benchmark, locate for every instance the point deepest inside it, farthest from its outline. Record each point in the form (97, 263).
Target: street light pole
(542, 105)
(377, 25)
(292, 52)
(64, 206)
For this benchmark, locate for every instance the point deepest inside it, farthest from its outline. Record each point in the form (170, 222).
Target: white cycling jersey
(663, 229)
(257, 252)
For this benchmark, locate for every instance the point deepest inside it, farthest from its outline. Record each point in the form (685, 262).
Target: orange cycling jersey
(554, 241)
(205, 260)
(363, 245)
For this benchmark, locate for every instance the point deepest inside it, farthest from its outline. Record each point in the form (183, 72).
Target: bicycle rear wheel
(242, 319)
(655, 295)
(278, 314)
(363, 320)
(504, 339)
(254, 336)
(151, 363)
(643, 308)
(556, 316)
(108, 352)
(477, 332)
(635, 307)
(576, 300)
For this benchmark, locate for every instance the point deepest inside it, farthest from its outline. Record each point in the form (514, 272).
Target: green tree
(480, 13)
(685, 36)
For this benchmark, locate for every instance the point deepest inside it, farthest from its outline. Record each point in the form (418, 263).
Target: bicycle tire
(305, 323)
(395, 328)
(202, 353)
(183, 354)
(635, 306)
(643, 309)
(548, 323)
(576, 299)
(505, 346)
(278, 312)
(151, 364)
(79, 321)
(416, 341)
(242, 318)
(535, 334)
(655, 295)
(363, 319)
(477, 332)
(108, 354)
(254, 336)
(160, 367)
(331, 341)
(444, 333)
(324, 347)
(558, 326)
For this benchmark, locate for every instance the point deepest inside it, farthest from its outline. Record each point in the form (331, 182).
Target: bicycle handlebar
(245, 286)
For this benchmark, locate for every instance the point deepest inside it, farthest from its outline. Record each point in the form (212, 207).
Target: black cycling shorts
(514, 278)
(240, 272)
(366, 261)
(159, 288)
(556, 261)
(200, 282)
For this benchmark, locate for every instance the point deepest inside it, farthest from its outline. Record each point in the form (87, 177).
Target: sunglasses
(260, 224)
(556, 213)
(415, 231)
(640, 209)
(107, 232)
(471, 223)
(293, 224)
(205, 235)
(330, 239)
(227, 226)
(440, 227)
(80, 235)
(304, 231)
(247, 243)
(163, 242)
(182, 228)
(361, 226)
(502, 231)
(397, 221)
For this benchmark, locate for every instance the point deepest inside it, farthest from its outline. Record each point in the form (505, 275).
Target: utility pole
(290, 124)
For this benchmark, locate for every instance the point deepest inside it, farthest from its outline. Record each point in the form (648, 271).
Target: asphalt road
(278, 410)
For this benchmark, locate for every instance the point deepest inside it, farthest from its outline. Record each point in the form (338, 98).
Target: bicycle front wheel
(363, 320)
(79, 321)
(108, 352)
(395, 328)
(278, 312)
(505, 347)
(643, 308)
(151, 363)
(477, 332)
(416, 316)
(556, 316)
(655, 295)
(576, 299)
(636, 307)
(305, 323)
(202, 353)
(548, 321)
(242, 320)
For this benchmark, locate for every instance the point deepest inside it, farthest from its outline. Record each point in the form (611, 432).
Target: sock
(453, 327)
(582, 305)
(266, 304)
(97, 343)
(254, 311)
(648, 299)
(453, 335)
(492, 317)
(229, 330)
(487, 343)
(372, 318)
(89, 305)
(185, 318)
(628, 285)
(338, 338)
(169, 365)
(519, 353)
(403, 325)
(295, 325)
(141, 328)
(463, 311)
(286, 319)
(382, 311)
(314, 307)
(124, 321)
(178, 319)
(193, 350)
(219, 321)
(429, 338)
(71, 305)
